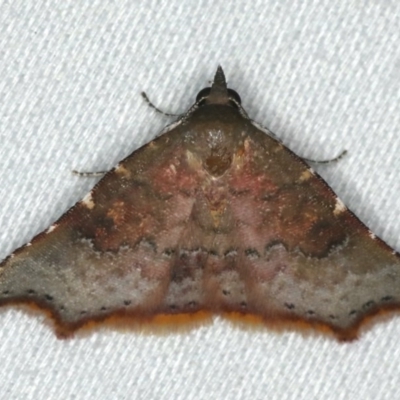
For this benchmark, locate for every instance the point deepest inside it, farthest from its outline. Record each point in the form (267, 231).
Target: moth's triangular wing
(306, 256)
(113, 251)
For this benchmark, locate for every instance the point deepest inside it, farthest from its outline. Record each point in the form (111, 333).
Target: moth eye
(234, 98)
(203, 94)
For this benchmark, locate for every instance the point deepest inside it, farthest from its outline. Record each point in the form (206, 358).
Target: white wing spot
(88, 201)
(306, 175)
(172, 169)
(339, 207)
(193, 161)
(51, 229)
(121, 170)
(372, 235)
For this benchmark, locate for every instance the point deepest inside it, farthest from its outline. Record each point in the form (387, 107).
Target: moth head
(218, 93)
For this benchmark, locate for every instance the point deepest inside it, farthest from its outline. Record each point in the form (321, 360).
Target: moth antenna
(89, 174)
(147, 100)
(331, 160)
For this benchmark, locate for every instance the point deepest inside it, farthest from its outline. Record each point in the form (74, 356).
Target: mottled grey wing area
(302, 254)
(113, 251)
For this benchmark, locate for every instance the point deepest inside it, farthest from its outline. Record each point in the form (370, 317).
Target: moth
(215, 215)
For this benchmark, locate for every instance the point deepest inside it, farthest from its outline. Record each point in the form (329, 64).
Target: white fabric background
(323, 75)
